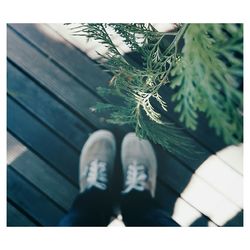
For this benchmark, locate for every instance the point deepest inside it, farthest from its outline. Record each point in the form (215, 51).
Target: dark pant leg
(139, 209)
(90, 208)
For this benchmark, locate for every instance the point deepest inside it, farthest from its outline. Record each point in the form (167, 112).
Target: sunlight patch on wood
(223, 178)
(89, 46)
(164, 27)
(45, 29)
(14, 150)
(220, 197)
(92, 47)
(233, 156)
(212, 204)
(185, 215)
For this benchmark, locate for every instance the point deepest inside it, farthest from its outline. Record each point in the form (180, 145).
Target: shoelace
(136, 177)
(96, 175)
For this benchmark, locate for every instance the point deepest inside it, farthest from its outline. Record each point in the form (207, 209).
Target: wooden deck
(51, 87)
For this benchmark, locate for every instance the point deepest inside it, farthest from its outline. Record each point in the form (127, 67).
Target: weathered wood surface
(32, 200)
(51, 87)
(15, 218)
(40, 174)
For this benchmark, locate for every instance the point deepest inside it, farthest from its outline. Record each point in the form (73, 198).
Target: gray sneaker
(139, 164)
(97, 161)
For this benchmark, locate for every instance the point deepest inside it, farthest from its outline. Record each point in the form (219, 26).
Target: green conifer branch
(204, 75)
(206, 79)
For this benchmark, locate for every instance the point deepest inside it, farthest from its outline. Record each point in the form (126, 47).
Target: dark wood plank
(56, 116)
(53, 78)
(17, 219)
(43, 141)
(33, 202)
(39, 173)
(64, 53)
(234, 222)
(203, 134)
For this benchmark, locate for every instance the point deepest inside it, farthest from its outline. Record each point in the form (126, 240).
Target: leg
(140, 170)
(140, 209)
(90, 208)
(93, 206)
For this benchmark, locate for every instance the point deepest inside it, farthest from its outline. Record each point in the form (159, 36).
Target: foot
(139, 164)
(97, 161)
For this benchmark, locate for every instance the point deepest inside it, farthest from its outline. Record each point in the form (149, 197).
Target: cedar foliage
(203, 63)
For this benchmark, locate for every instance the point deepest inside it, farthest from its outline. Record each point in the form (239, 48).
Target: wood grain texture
(43, 141)
(53, 78)
(40, 174)
(51, 87)
(35, 203)
(15, 218)
(65, 54)
(43, 105)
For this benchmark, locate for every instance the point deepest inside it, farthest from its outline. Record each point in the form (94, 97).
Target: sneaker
(139, 164)
(97, 161)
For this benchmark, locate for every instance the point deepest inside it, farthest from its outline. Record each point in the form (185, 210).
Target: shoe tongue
(136, 163)
(98, 162)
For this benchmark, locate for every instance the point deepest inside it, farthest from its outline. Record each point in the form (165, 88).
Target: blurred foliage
(203, 63)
